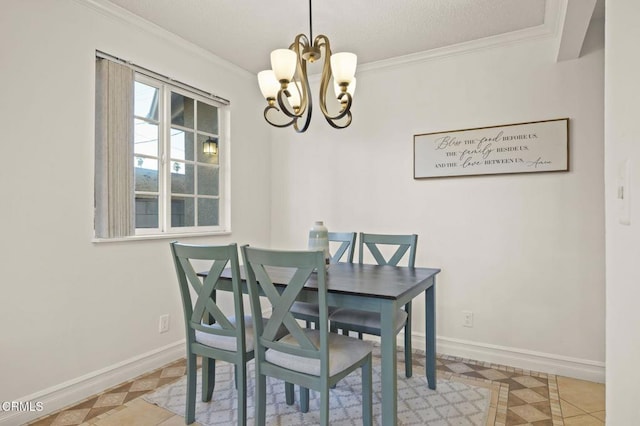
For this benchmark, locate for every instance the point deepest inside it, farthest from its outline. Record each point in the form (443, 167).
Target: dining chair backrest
(204, 310)
(260, 272)
(403, 244)
(348, 244)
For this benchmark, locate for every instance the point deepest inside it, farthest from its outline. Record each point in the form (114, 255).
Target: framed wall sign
(538, 146)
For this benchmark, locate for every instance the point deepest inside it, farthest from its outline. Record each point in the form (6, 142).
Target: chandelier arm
(300, 75)
(269, 108)
(335, 125)
(284, 108)
(323, 41)
(299, 46)
(305, 126)
(301, 41)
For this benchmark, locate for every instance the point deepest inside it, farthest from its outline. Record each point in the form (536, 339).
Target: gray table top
(384, 282)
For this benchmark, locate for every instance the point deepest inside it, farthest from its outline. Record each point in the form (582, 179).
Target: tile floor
(519, 397)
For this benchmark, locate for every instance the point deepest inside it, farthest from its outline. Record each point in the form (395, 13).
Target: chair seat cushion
(228, 343)
(309, 309)
(344, 351)
(367, 319)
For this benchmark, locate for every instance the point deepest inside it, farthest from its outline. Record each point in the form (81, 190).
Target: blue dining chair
(346, 242)
(369, 322)
(312, 359)
(210, 333)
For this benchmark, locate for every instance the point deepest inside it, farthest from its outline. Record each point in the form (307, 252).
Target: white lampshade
(343, 66)
(283, 63)
(296, 92)
(351, 88)
(269, 86)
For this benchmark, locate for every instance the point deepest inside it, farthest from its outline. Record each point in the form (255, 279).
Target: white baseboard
(520, 358)
(560, 365)
(75, 390)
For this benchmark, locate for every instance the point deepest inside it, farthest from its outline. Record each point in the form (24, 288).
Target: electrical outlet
(163, 323)
(467, 318)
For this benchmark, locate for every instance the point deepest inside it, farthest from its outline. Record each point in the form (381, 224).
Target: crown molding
(549, 29)
(120, 14)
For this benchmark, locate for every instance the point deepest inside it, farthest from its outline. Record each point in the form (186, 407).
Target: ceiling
(244, 32)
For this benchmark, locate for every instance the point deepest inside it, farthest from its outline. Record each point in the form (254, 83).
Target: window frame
(165, 229)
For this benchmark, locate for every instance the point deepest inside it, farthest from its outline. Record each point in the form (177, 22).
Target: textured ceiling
(244, 32)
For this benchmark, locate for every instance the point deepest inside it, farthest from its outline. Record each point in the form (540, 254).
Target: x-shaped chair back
(261, 266)
(404, 243)
(205, 310)
(348, 243)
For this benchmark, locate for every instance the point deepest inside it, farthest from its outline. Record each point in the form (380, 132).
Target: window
(177, 186)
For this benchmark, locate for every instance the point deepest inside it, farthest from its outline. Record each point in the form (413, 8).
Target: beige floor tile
(492, 374)
(529, 413)
(144, 384)
(110, 399)
(584, 420)
(529, 396)
(528, 381)
(70, 417)
(137, 413)
(587, 396)
(569, 410)
(176, 421)
(599, 415)
(173, 372)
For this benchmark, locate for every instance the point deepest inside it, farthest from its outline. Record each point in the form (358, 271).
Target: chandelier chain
(310, 23)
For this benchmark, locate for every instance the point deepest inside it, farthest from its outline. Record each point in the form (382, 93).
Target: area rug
(452, 403)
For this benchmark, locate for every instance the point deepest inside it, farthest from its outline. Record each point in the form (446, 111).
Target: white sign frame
(533, 147)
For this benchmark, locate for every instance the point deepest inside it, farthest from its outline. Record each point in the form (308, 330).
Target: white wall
(71, 309)
(622, 90)
(524, 253)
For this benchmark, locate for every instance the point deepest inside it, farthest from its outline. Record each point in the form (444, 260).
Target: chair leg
(192, 370)
(208, 378)
(288, 392)
(260, 399)
(367, 402)
(304, 399)
(324, 406)
(235, 376)
(408, 361)
(241, 386)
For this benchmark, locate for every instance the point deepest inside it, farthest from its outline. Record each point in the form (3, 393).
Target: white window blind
(114, 199)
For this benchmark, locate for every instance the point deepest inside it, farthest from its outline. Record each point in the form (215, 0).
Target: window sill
(161, 236)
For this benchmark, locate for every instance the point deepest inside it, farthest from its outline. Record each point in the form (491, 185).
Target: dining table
(377, 288)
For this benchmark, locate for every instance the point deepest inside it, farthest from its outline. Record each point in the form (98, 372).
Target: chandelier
(286, 85)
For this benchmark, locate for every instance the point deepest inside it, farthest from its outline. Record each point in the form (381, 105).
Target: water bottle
(319, 240)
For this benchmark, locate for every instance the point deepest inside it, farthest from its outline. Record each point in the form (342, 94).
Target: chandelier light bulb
(283, 63)
(343, 66)
(295, 91)
(269, 85)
